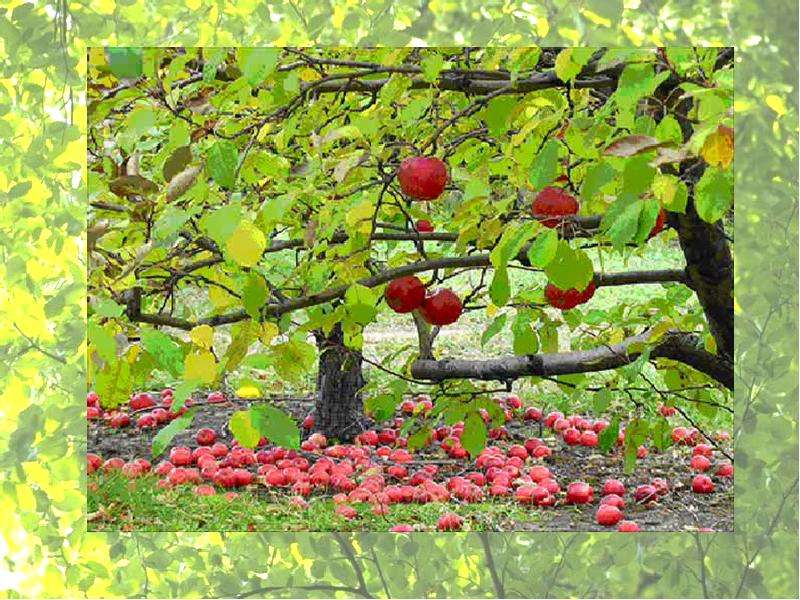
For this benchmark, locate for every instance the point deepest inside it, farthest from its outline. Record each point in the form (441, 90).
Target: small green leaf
(125, 63)
(498, 114)
(243, 429)
(164, 350)
(473, 438)
(495, 327)
(360, 302)
(714, 194)
(432, 65)
(608, 437)
(500, 288)
(258, 63)
(254, 294)
(544, 167)
(275, 425)
(418, 439)
(543, 249)
(166, 434)
(525, 338)
(569, 268)
(106, 307)
(223, 157)
(220, 224)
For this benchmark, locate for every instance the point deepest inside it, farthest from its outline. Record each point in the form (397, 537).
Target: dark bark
(339, 411)
(682, 347)
(709, 272)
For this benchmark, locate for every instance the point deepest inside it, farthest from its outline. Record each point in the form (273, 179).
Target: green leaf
(661, 434)
(223, 157)
(569, 268)
(361, 304)
(381, 407)
(181, 393)
(140, 121)
(220, 224)
(514, 237)
(293, 358)
(473, 438)
(543, 249)
(525, 338)
(243, 429)
(177, 162)
(608, 437)
(621, 222)
(254, 294)
(212, 58)
(637, 81)
(637, 175)
(417, 439)
(671, 192)
(500, 288)
(601, 401)
(495, 327)
(669, 130)
(106, 307)
(432, 65)
(166, 434)
(125, 63)
(498, 114)
(570, 61)
(714, 194)
(544, 167)
(258, 63)
(275, 425)
(103, 341)
(597, 176)
(164, 350)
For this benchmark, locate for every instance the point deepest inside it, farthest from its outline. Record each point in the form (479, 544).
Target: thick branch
(681, 347)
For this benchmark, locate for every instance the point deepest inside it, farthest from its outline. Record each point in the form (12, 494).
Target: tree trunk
(339, 411)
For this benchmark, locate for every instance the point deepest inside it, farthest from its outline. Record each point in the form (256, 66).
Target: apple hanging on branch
(405, 294)
(441, 307)
(424, 226)
(422, 177)
(552, 204)
(567, 299)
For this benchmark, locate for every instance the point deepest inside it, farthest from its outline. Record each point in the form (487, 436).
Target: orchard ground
(117, 501)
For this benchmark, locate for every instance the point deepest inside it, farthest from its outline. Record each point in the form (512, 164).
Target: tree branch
(681, 347)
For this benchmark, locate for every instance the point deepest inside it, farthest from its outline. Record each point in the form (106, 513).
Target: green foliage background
(45, 550)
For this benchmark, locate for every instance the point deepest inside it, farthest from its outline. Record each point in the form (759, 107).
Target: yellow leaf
(201, 367)
(220, 298)
(203, 336)
(491, 310)
(268, 332)
(248, 391)
(616, 337)
(359, 217)
(246, 245)
(717, 150)
(657, 332)
(776, 103)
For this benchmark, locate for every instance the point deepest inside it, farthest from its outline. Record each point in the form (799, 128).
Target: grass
(139, 505)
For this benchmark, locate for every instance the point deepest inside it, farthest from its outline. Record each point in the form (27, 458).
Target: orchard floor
(118, 503)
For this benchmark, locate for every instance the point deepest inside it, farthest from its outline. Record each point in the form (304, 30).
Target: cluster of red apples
(378, 470)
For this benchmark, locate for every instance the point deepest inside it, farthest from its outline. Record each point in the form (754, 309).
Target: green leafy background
(45, 550)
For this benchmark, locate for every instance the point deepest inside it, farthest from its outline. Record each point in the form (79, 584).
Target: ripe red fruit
(242, 477)
(613, 486)
(424, 226)
(120, 420)
(667, 411)
(661, 485)
(608, 515)
(308, 422)
(532, 414)
(450, 522)
(401, 529)
(93, 462)
(659, 226)
(613, 500)
(93, 412)
(422, 177)
(567, 299)
(589, 438)
(215, 397)
(92, 399)
(645, 493)
(642, 452)
(180, 456)
(113, 464)
(704, 450)
(206, 436)
(145, 421)
(725, 470)
(140, 401)
(405, 294)
(700, 463)
(702, 484)
(571, 436)
(442, 307)
(628, 526)
(680, 435)
(553, 202)
(579, 492)
(204, 490)
(552, 417)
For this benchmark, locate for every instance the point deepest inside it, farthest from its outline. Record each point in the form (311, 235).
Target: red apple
(613, 486)
(700, 463)
(552, 203)
(613, 500)
(401, 529)
(579, 492)
(702, 484)
(589, 438)
(424, 226)
(645, 493)
(308, 422)
(422, 177)
(628, 527)
(93, 462)
(567, 299)
(92, 399)
(703, 450)
(146, 421)
(441, 307)
(405, 294)
(215, 397)
(532, 414)
(180, 456)
(204, 490)
(608, 515)
(206, 436)
(571, 436)
(93, 412)
(142, 400)
(450, 522)
(667, 411)
(725, 470)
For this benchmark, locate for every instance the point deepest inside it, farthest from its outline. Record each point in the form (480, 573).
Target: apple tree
(258, 208)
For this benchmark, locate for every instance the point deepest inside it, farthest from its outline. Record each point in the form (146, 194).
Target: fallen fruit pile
(378, 470)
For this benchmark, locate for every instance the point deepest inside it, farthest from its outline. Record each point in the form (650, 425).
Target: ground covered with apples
(538, 472)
